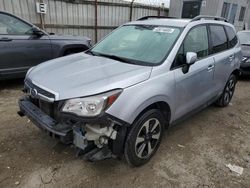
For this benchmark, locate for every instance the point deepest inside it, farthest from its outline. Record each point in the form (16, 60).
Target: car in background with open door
(23, 45)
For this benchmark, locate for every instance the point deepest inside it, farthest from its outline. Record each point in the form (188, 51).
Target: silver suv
(117, 98)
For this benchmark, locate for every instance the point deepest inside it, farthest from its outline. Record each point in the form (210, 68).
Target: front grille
(51, 109)
(47, 107)
(29, 85)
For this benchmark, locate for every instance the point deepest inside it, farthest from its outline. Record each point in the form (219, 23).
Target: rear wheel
(144, 138)
(228, 92)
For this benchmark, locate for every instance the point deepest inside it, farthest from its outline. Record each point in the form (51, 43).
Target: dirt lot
(193, 154)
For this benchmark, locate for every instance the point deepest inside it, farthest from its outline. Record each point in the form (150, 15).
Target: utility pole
(131, 10)
(42, 17)
(96, 21)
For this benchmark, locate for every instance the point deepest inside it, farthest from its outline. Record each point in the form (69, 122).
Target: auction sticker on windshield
(164, 30)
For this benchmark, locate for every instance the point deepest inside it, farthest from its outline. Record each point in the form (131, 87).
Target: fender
(72, 46)
(135, 99)
(149, 102)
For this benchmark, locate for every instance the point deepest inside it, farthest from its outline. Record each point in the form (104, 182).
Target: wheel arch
(162, 106)
(154, 103)
(74, 48)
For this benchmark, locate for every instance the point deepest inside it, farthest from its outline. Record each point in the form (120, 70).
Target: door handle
(5, 39)
(210, 67)
(231, 58)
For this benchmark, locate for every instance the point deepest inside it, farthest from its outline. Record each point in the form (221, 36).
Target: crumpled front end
(96, 137)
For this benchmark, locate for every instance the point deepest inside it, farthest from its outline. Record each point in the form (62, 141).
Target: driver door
(20, 49)
(194, 88)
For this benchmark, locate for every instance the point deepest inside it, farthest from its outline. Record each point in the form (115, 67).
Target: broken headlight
(91, 106)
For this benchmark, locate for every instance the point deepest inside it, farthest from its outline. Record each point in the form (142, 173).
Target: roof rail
(152, 17)
(200, 17)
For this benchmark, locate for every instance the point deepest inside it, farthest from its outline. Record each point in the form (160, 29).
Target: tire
(146, 133)
(228, 92)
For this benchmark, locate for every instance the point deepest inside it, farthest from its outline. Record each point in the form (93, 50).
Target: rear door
(223, 54)
(195, 88)
(20, 49)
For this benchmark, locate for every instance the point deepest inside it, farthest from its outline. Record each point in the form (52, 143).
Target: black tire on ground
(144, 138)
(228, 92)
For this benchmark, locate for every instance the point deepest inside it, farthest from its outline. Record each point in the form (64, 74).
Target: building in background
(91, 18)
(158, 3)
(236, 11)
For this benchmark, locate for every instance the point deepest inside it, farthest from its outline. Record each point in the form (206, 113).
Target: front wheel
(144, 138)
(228, 92)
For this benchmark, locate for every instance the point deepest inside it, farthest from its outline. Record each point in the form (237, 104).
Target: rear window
(219, 38)
(232, 38)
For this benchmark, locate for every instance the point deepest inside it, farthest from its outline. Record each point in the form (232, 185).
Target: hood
(68, 37)
(81, 75)
(245, 50)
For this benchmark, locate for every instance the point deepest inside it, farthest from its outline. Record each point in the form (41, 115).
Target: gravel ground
(192, 154)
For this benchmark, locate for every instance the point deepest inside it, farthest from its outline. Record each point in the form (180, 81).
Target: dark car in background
(23, 45)
(244, 37)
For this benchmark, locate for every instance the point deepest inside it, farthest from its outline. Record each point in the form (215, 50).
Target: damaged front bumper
(43, 121)
(97, 138)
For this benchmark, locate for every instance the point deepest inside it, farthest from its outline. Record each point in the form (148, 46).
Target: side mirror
(191, 58)
(37, 31)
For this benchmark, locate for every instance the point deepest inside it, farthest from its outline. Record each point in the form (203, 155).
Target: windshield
(138, 44)
(244, 38)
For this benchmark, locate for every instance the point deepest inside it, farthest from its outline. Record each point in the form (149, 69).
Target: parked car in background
(118, 97)
(244, 37)
(23, 45)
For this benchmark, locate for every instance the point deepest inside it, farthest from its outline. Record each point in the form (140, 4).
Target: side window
(195, 41)
(219, 38)
(12, 26)
(232, 38)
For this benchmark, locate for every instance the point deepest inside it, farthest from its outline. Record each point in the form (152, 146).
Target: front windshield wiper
(245, 44)
(91, 52)
(125, 60)
(110, 57)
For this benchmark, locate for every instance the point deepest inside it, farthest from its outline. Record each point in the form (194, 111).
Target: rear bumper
(43, 121)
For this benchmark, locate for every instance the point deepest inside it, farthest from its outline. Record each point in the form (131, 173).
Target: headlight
(248, 61)
(91, 106)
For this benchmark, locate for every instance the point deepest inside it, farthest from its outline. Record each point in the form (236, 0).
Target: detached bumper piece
(43, 121)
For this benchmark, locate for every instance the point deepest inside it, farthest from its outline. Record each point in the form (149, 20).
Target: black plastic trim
(39, 118)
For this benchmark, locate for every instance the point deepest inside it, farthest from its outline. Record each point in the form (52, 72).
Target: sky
(153, 2)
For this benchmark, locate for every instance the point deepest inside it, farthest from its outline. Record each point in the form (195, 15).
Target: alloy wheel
(229, 91)
(147, 138)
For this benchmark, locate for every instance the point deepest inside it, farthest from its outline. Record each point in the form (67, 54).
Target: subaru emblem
(33, 93)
